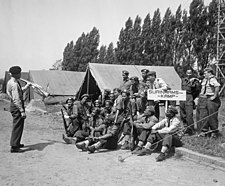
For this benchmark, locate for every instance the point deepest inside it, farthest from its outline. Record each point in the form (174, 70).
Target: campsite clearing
(48, 161)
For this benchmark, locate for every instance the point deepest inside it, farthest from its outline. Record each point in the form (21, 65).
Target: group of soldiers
(124, 116)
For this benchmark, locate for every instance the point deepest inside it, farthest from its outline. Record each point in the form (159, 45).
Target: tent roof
(109, 76)
(58, 82)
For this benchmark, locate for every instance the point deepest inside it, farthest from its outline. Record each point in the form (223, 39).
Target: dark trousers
(144, 133)
(186, 112)
(74, 126)
(166, 139)
(156, 106)
(18, 125)
(207, 107)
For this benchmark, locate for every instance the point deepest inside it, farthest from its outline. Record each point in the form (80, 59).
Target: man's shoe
(161, 157)
(136, 150)
(81, 146)
(125, 146)
(66, 139)
(91, 149)
(144, 152)
(16, 150)
(21, 145)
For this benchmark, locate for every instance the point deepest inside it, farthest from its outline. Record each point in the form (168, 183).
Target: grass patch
(206, 145)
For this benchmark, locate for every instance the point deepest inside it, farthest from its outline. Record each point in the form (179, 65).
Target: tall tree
(146, 40)
(110, 55)
(167, 38)
(123, 53)
(67, 63)
(156, 40)
(102, 54)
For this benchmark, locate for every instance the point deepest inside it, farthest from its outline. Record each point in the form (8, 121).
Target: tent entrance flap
(89, 86)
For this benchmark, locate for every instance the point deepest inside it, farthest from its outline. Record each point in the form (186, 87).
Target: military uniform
(158, 84)
(186, 107)
(207, 107)
(126, 83)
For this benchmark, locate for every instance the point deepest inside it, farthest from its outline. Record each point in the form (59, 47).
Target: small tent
(60, 84)
(101, 76)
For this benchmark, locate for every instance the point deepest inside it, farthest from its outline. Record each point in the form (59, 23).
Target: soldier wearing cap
(144, 124)
(17, 109)
(107, 109)
(144, 73)
(209, 103)
(126, 83)
(156, 84)
(190, 84)
(135, 85)
(78, 118)
(165, 131)
(104, 96)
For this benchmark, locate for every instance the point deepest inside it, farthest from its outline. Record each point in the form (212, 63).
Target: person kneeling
(164, 131)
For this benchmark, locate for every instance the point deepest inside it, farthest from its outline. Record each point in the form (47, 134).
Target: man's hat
(145, 70)
(209, 69)
(15, 70)
(152, 73)
(172, 109)
(135, 78)
(150, 110)
(69, 100)
(125, 72)
(107, 90)
(110, 102)
(84, 95)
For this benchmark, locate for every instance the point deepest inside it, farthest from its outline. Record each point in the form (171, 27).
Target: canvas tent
(60, 84)
(101, 76)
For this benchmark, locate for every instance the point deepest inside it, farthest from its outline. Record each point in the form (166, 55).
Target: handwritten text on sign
(174, 95)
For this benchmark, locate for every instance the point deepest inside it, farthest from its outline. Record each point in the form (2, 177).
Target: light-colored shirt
(208, 86)
(160, 84)
(15, 92)
(165, 127)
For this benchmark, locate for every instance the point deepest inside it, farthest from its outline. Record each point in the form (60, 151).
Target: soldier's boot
(144, 152)
(68, 140)
(161, 157)
(81, 146)
(125, 146)
(136, 150)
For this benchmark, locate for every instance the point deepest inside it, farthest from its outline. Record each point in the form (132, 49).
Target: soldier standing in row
(190, 84)
(156, 84)
(126, 83)
(209, 103)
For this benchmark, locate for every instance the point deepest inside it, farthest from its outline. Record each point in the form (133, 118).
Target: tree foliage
(184, 39)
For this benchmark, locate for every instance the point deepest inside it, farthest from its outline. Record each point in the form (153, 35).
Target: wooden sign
(173, 95)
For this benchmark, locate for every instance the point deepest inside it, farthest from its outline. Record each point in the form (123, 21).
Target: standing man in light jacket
(17, 109)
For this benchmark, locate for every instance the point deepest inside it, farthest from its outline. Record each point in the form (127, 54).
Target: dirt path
(48, 161)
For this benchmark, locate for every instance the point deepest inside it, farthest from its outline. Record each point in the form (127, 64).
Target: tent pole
(88, 76)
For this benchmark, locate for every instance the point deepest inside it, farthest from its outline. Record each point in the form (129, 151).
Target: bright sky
(34, 33)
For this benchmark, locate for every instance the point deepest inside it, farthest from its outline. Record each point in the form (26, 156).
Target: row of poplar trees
(180, 40)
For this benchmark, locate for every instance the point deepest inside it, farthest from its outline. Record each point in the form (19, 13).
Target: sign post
(166, 95)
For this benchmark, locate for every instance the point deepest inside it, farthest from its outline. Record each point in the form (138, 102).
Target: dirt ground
(48, 161)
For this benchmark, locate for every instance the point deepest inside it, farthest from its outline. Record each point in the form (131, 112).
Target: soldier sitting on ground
(108, 140)
(166, 131)
(144, 125)
(77, 118)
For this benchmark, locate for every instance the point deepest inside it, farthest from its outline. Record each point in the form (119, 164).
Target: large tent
(101, 76)
(60, 84)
